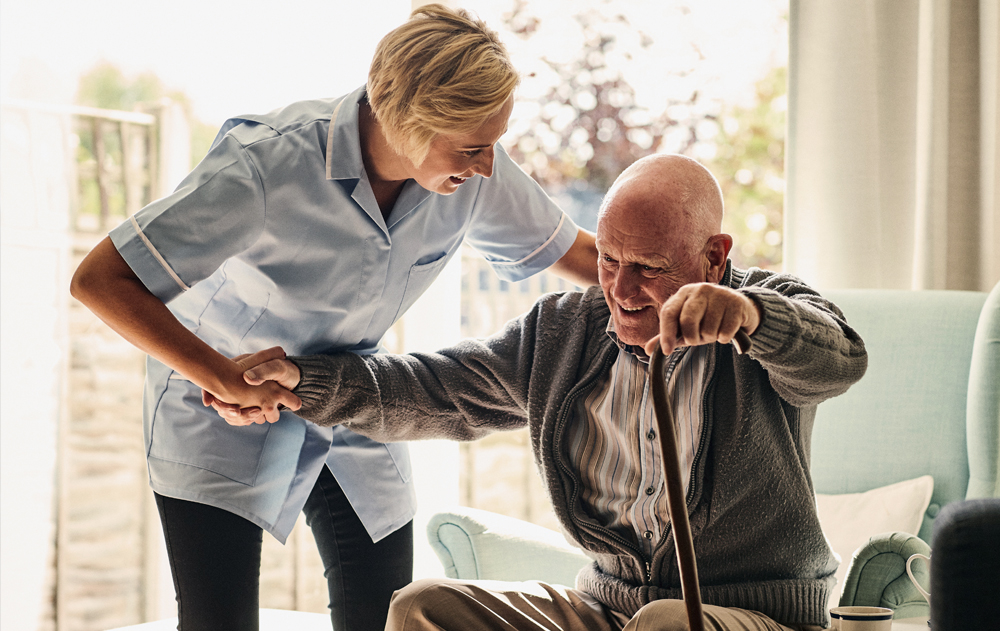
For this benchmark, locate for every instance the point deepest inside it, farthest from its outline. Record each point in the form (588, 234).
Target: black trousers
(215, 561)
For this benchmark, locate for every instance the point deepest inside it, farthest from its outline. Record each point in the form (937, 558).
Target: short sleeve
(216, 212)
(515, 225)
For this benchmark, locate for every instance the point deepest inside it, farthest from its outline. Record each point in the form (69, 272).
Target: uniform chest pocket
(418, 280)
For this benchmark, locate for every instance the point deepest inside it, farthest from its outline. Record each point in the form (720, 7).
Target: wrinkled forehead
(639, 227)
(636, 236)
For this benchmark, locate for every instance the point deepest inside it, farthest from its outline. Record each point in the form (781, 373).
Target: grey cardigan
(751, 504)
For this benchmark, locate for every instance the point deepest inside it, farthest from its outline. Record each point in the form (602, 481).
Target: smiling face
(653, 237)
(640, 266)
(454, 158)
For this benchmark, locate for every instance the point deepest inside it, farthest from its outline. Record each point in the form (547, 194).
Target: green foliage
(750, 165)
(106, 87)
(202, 135)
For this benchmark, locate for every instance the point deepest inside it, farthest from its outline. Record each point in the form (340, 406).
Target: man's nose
(626, 283)
(484, 165)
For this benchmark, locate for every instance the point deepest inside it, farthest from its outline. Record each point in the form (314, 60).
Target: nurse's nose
(484, 164)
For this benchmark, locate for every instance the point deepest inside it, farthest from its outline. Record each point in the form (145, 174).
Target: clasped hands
(265, 370)
(699, 313)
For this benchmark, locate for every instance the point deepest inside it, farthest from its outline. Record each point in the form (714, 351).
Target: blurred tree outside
(600, 90)
(105, 86)
(580, 120)
(749, 163)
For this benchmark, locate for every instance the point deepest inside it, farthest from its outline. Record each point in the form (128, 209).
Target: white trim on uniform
(157, 256)
(552, 237)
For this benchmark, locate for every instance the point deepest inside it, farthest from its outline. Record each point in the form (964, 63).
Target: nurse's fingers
(232, 413)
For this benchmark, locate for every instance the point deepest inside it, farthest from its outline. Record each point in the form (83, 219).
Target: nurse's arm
(106, 284)
(579, 264)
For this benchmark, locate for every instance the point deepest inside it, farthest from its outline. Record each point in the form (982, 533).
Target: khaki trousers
(452, 605)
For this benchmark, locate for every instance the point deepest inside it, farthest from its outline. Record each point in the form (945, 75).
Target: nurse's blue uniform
(275, 239)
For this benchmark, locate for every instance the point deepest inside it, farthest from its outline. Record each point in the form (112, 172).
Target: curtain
(892, 155)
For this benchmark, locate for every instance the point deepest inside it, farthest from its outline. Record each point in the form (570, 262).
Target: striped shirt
(616, 448)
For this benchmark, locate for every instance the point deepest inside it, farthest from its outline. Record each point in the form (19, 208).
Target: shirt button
(651, 435)
(648, 534)
(649, 490)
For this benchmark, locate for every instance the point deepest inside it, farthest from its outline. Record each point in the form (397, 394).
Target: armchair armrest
(478, 544)
(877, 575)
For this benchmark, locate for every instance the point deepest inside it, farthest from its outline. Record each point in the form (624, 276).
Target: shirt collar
(632, 349)
(345, 163)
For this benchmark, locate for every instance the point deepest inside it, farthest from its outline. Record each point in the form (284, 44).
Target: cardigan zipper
(575, 496)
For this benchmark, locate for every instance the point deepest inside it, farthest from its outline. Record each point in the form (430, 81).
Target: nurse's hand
(273, 378)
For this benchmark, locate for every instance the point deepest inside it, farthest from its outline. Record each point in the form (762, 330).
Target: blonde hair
(443, 71)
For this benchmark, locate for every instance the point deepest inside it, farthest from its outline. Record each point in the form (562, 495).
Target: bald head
(657, 231)
(669, 191)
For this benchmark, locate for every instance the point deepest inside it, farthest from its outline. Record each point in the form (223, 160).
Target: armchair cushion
(877, 575)
(478, 544)
(984, 403)
(849, 519)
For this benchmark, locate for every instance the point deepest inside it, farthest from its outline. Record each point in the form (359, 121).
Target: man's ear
(716, 255)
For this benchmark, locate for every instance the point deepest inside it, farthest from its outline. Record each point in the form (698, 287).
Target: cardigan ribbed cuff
(774, 329)
(334, 388)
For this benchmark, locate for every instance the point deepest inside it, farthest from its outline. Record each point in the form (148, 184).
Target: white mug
(861, 618)
(923, 592)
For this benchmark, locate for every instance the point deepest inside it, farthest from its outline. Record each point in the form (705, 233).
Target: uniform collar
(345, 163)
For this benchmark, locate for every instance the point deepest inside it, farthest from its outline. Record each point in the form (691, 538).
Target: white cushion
(849, 520)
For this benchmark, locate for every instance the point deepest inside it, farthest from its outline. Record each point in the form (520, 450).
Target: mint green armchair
(929, 405)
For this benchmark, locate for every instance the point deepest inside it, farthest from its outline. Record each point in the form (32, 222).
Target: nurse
(314, 228)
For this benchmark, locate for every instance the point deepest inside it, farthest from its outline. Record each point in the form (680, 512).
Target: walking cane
(676, 506)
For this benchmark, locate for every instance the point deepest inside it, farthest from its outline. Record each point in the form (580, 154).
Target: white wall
(35, 163)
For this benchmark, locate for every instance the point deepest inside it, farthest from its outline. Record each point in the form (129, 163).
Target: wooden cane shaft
(676, 505)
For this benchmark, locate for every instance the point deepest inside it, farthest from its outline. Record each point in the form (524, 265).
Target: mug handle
(909, 572)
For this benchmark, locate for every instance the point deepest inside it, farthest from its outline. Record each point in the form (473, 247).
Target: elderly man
(574, 369)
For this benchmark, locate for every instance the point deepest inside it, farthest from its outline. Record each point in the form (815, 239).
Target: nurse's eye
(472, 153)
